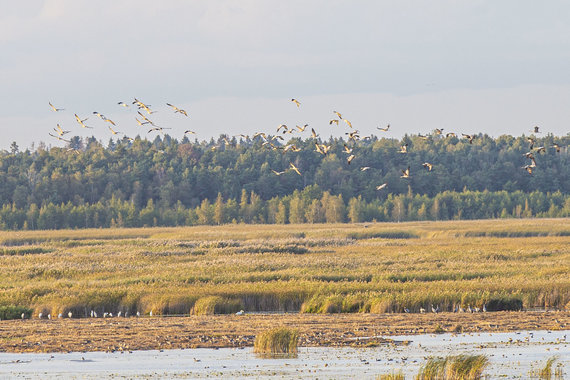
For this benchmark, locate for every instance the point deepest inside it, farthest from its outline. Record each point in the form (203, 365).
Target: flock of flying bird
(60, 132)
(268, 141)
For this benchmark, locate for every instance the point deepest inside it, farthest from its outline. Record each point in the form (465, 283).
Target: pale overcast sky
(498, 67)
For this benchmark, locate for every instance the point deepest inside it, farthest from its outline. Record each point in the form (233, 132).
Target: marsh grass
(215, 305)
(291, 268)
(460, 367)
(277, 342)
(546, 372)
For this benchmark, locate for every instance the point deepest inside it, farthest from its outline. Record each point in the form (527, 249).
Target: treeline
(138, 182)
(311, 205)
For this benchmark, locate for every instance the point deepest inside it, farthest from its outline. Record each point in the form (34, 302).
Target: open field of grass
(378, 268)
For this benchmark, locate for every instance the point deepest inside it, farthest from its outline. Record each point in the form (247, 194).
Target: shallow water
(512, 356)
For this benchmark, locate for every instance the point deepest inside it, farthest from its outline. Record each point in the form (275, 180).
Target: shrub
(504, 303)
(14, 312)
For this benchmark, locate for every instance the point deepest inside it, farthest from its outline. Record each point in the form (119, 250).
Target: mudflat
(216, 331)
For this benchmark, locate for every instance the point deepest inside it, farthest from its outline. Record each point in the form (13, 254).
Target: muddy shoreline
(216, 331)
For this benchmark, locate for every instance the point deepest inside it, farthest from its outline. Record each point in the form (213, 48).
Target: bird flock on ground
(269, 141)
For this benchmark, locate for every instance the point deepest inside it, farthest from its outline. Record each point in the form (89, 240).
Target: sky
(496, 67)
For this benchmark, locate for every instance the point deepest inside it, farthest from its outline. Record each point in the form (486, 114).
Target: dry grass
(391, 376)
(327, 268)
(461, 367)
(276, 342)
(546, 372)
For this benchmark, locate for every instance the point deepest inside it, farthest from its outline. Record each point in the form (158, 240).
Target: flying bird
(291, 147)
(141, 123)
(385, 129)
(114, 132)
(189, 132)
(177, 110)
(528, 168)
(276, 172)
(141, 105)
(404, 148)
(468, 137)
(450, 134)
(350, 158)
(59, 138)
(532, 163)
(348, 123)
(295, 168)
(557, 147)
(353, 135)
(338, 114)
(282, 126)
(55, 109)
(302, 129)
(123, 104)
(347, 150)
(296, 102)
(322, 149)
(313, 133)
(423, 137)
(536, 129)
(364, 168)
(146, 119)
(110, 121)
(81, 121)
(60, 130)
(334, 121)
(382, 186)
(428, 166)
(438, 131)
(406, 173)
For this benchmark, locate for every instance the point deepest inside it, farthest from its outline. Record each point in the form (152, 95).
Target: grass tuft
(460, 367)
(546, 372)
(281, 341)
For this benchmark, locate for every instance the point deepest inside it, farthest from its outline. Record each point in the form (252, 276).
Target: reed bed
(327, 268)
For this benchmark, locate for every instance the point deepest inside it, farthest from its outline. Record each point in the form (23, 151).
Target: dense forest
(169, 182)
